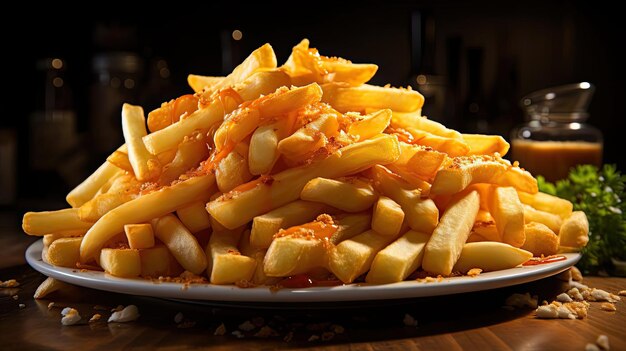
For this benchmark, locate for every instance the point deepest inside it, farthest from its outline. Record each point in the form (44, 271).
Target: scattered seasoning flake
(591, 347)
(409, 321)
(265, 332)
(127, 314)
(21, 305)
(563, 297)
(50, 305)
(95, 317)
(313, 338)
(178, 317)
(607, 306)
(70, 316)
(603, 342)
(238, 334)
(474, 272)
(220, 330)
(15, 297)
(11, 283)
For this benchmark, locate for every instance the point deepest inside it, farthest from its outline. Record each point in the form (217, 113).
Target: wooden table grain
(471, 321)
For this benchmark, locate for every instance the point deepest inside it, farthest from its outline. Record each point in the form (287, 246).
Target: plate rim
(351, 292)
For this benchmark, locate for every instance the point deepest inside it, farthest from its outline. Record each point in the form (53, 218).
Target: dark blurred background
(67, 75)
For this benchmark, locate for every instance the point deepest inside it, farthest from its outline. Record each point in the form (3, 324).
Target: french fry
(540, 240)
(445, 245)
(265, 226)
(416, 121)
(508, 212)
(48, 286)
(258, 254)
(452, 147)
(171, 112)
(288, 256)
(350, 225)
(348, 194)
(86, 190)
(466, 170)
(231, 172)
(575, 231)
(64, 252)
(145, 165)
(490, 256)
(263, 151)
(199, 83)
(345, 98)
(353, 257)
(190, 152)
(60, 221)
(402, 257)
(125, 263)
(239, 207)
(309, 138)
(50, 238)
(139, 236)
(226, 264)
(100, 205)
(143, 209)
(121, 161)
(421, 160)
(181, 243)
(370, 125)
(158, 261)
(412, 178)
(388, 217)
(548, 203)
(194, 216)
(551, 220)
(485, 226)
(481, 144)
(421, 213)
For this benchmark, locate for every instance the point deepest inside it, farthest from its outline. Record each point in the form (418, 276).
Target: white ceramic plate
(352, 292)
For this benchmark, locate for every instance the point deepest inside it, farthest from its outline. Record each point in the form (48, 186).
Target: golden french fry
(485, 226)
(64, 252)
(345, 98)
(231, 172)
(551, 220)
(50, 238)
(194, 216)
(466, 170)
(575, 230)
(421, 160)
(445, 245)
(353, 257)
(395, 262)
(258, 254)
(288, 256)
(199, 83)
(309, 138)
(348, 194)
(100, 205)
(226, 264)
(145, 165)
(181, 243)
(481, 144)
(387, 217)
(142, 209)
(370, 125)
(139, 236)
(48, 286)
(125, 263)
(190, 152)
(171, 112)
(263, 151)
(265, 226)
(416, 121)
(452, 147)
(239, 207)
(158, 261)
(48, 222)
(121, 161)
(508, 213)
(86, 190)
(540, 240)
(421, 213)
(548, 203)
(414, 180)
(350, 225)
(490, 256)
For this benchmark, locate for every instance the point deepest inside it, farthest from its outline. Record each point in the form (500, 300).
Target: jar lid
(562, 100)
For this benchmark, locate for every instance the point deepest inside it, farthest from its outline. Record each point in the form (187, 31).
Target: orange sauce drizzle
(318, 229)
(544, 260)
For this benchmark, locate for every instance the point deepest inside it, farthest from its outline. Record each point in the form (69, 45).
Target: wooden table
(473, 321)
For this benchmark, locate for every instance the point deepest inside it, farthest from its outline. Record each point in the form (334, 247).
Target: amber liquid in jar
(553, 159)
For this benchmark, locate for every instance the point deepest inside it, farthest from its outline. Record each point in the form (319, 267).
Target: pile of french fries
(272, 172)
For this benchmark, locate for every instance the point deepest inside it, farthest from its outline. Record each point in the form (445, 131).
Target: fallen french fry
(48, 286)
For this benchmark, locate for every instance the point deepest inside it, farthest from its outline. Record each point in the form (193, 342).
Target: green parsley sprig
(601, 194)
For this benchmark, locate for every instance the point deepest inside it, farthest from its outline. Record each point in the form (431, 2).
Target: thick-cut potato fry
(64, 252)
(309, 138)
(421, 160)
(413, 179)
(289, 255)
(239, 207)
(145, 165)
(48, 286)
(349, 225)
(508, 212)
(181, 243)
(416, 121)
(60, 221)
(50, 238)
(142, 209)
(548, 203)
(158, 261)
(345, 98)
(102, 204)
(370, 125)
(421, 213)
(490, 256)
(485, 226)
(258, 254)
(265, 226)
(445, 245)
(353, 257)
(551, 220)
(540, 240)
(121, 161)
(125, 263)
(402, 257)
(466, 170)
(190, 152)
(226, 264)
(172, 111)
(263, 151)
(481, 144)
(194, 216)
(260, 83)
(199, 83)
(139, 236)
(387, 217)
(231, 172)
(86, 190)
(348, 194)
(452, 147)
(575, 230)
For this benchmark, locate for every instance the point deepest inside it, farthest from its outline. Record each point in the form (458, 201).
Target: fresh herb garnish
(601, 194)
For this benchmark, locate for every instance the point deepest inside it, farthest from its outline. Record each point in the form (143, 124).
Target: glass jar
(555, 137)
